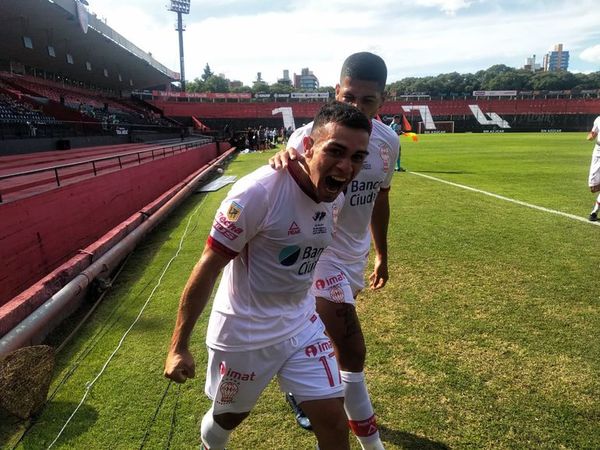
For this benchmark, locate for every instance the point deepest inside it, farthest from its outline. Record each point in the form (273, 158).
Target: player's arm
(592, 135)
(379, 227)
(180, 365)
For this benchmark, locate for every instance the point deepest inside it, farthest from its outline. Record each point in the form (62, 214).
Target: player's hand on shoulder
(281, 158)
(180, 366)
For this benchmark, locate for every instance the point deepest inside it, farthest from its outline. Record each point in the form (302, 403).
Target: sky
(416, 38)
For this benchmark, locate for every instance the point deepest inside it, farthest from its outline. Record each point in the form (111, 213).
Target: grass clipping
(25, 376)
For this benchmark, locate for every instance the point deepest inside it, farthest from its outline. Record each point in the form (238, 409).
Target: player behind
(339, 275)
(268, 235)
(594, 178)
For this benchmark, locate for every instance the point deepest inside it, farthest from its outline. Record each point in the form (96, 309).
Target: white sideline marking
(512, 200)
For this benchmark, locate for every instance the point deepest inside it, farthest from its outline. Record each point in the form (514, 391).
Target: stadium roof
(61, 24)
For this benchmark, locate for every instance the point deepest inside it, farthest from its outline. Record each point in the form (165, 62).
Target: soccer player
(396, 125)
(268, 235)
(594, 179)
(339, 275)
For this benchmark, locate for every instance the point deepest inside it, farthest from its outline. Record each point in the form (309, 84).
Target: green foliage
(497, 77)
(260, 86)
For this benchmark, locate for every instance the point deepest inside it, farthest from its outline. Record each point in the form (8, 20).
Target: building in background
(306, 80)
(286, 78)
(557, 59)
(531, 65)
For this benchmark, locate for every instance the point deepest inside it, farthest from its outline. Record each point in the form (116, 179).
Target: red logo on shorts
(222, 368)
(228, 391)
(311, 350)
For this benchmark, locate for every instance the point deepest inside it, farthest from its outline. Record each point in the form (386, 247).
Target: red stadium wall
(39, 233)
(222, 110)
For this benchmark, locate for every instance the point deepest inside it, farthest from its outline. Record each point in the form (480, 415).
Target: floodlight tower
(180, 7)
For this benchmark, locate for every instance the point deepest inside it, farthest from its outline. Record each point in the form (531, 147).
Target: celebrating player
(339, 275)
(268, 234)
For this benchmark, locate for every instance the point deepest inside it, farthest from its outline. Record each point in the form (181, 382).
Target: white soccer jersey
(275, 231)
(352, 239)
(596, 129)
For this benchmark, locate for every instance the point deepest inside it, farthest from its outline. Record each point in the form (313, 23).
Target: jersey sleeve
(239, 218)
(394, 143)
(596, 126)
(296, 139)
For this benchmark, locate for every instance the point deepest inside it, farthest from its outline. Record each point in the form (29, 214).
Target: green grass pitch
(485, 337)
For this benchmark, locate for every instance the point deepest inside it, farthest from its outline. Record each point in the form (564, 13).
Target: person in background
(594, 178)
(396, 125)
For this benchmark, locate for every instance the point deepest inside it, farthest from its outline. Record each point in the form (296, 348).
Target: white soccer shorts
(305, 365)
(337, 283)
(594, 178)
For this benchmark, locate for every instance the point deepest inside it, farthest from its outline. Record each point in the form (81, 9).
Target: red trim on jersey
(220, 248)
(295, 170)
(363, 428)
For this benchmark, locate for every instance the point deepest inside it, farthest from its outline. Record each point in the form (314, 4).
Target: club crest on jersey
(384, 152)
(234, 211)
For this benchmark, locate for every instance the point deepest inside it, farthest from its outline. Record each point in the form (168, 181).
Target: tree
(207, 72)
(260, 86)
(281, 88)
(215, 83)
(195, 86)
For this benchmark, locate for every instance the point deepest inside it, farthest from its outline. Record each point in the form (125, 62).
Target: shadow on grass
(35, 433)
(410, 441)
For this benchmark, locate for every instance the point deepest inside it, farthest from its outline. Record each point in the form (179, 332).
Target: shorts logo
(321, 347)
(384, 152)
(289, 255)
(234, 211)
(293, 229)
(330, 281)
(228, 390)
(311, 350)
(337, 294)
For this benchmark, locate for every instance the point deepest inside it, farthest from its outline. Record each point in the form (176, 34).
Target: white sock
(597, 205)
(359, 410)
(212, 434)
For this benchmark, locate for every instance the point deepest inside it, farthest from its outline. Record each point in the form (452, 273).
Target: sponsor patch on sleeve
(234, 211)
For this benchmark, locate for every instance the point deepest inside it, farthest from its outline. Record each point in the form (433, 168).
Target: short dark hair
(365, 66)
(342, 113)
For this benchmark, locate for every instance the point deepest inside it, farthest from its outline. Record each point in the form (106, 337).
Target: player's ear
(308, 144)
